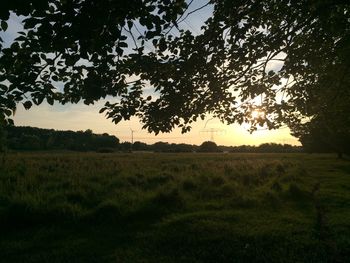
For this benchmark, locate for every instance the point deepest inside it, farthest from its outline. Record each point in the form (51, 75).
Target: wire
(163, 138)
(193, 11)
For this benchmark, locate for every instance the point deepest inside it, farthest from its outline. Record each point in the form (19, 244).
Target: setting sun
(257, 114)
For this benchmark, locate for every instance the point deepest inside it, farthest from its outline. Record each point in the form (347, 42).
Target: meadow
(151, 207)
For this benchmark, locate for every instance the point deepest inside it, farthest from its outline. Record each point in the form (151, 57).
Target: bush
(208, 146)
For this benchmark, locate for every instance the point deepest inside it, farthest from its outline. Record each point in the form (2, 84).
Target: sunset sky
(82, 117)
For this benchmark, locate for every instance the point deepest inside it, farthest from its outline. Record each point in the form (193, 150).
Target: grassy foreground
(87, 207)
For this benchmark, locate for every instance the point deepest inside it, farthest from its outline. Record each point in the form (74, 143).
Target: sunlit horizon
(81, 117)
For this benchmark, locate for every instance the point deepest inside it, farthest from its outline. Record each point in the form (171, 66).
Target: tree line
(17, 138)
(32, 139)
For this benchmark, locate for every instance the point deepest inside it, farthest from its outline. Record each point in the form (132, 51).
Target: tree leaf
(4, 25)
(27, 105)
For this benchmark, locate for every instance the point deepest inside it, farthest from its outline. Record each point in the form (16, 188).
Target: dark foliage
(331, 134)
(208, 146)
(266, 148)
(172, 147)
(29, 138)
(94, 47)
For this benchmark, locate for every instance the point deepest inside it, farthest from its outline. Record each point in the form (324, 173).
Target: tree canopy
(287, 59)
(31, 139)
(208, 146)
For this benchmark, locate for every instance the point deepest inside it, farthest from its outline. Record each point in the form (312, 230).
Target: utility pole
(132, 138)
(212, 131)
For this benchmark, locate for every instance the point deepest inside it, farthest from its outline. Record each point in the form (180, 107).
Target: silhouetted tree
(267, 148)
(125, 146)
(208, 146)
(29, 138)
(326, 135)
(161, 147)
(140, 146)
(182, 147)
(94, 47)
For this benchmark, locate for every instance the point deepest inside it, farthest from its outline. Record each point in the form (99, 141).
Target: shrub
(208, 146)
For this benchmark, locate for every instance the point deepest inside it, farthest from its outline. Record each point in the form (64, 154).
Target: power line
(152, 138)
(212, 131)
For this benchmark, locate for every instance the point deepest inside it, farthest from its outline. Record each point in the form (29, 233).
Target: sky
(81, 117)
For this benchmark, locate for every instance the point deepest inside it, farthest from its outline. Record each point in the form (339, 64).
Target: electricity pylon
(213, 131)
(132, 138)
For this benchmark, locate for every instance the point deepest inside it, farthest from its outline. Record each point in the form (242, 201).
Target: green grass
(88, 207)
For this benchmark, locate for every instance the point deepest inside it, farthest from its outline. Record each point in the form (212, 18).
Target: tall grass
(213, 200)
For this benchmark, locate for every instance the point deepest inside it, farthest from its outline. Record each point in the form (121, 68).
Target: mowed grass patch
(89, 207)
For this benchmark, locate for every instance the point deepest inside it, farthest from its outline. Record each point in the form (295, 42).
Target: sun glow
(256, 117)
(258, 114)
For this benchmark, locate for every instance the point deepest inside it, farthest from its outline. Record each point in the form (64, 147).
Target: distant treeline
(208, 147)
(265, 148)
(34, 139)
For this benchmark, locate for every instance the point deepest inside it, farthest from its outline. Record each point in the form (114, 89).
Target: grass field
(89, 207)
